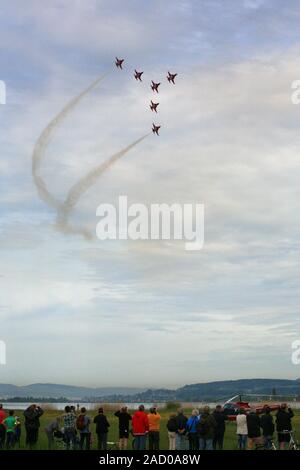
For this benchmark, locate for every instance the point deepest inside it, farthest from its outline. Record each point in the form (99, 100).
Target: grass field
(229, 441)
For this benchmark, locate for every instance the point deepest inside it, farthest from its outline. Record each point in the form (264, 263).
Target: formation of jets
(154, 86)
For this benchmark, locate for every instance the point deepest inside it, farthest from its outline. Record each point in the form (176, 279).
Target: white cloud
(229, 139)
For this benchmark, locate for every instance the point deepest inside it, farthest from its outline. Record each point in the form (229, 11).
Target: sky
(148, 313)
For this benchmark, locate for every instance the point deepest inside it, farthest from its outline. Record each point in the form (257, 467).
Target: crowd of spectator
(203, 430)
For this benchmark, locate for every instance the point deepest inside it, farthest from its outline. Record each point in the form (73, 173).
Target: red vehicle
(232, 408)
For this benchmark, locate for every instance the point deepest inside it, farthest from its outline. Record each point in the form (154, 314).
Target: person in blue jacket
(191, 427)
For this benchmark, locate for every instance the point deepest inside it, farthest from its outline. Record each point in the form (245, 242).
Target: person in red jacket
(140, 428)
(2, 427)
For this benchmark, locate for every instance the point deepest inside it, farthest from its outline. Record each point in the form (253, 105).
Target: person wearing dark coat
(284, 423)
(206, 429)
(220, 419)
(124, 423)
(172, 427)
(32, 424)
(181, 420)
(253, 424)
(267, 426)
(102, 426)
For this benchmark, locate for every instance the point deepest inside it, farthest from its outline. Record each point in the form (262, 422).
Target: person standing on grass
(124, 421)
(172, 428)
(140, 428)
(267, 426)
(49, 430)
(253, 425)
(154, 427)
(181, 420)
(220, 419)
(191, 427)
(18, 431)
(242, 429)
(83, 425)
(206, 429)
(69, 425)
(10, 425)
(284, 423)
(2, 427)
(32, 424)
(102, 427)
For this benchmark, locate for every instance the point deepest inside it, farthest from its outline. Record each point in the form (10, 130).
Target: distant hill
(233, 387)
(193, 392)
(217, 390)
(57, 390)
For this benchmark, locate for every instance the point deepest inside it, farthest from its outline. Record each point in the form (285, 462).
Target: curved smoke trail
(79, 188)
(44, 139)
(64, 208)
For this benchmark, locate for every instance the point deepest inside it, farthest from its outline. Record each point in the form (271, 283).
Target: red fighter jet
(171, 77)
(119, 63)
(154, 86)
(138, 75)
(155, 129)
(153, 106)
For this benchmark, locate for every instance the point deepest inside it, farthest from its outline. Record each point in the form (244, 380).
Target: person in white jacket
(242, 429)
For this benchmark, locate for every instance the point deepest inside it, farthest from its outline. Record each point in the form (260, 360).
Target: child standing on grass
(10, 425)
(18, 431)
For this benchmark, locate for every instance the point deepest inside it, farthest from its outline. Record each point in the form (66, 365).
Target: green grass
(229, 441)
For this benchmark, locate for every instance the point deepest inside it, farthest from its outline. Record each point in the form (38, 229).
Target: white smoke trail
(44, 139)
(64, 208)
(79, 188)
